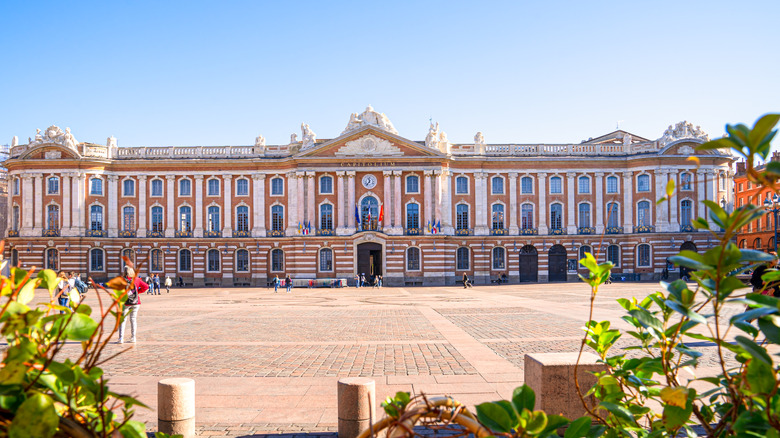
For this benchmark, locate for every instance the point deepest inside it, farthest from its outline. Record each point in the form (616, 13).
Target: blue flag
(357, 216)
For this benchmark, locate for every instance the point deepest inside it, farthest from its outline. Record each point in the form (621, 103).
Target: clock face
(369, 181)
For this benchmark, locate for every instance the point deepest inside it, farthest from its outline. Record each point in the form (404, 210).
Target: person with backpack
(276, 284)
(168, 284)
(62, 289)
(132, 304)
(288, 283)
(79, 285)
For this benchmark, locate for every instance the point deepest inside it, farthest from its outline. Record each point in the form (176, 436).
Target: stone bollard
(356, 399)
(176, 406)
(551, 376)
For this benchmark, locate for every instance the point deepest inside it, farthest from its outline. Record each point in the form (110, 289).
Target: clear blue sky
(222, 72)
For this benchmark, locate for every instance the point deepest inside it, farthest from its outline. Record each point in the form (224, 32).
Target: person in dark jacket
(466, 281)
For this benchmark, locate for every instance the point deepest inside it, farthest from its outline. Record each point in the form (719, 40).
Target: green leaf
(763, 128)
(754, 350)
(760, 377)
(554, 422)
(578, 428)
(676, 416)
(769, 327)
(646, 319)
(36, 417)
(133, 429)
(670, 188)
(537, 423)
(618, 411)
(80, 328)
(494, 417)
(524, 398)
(751, 424)
(510, 410)
(690, 314)
(752, 255)
(48, 279)
(688, 262)
(27, 293)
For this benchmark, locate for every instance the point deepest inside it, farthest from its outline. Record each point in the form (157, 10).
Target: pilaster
(300, 202)
(542, 208)
(351, 200)
(427, 201)
(26, 229)
(170, 209)
(141, 206)
(292, 207)
(258, 205)
(481, 212)
(38, 201)
(386, 200)
(674, 222)
(311, 213)
(112, 214)
(398, 227)
(662, 208)
(513, 228)
(80, 206)
(571, 208)
(198, 231)
(446, 197)
(227, 229)
(341, 228)
(628, 202)
(599, 202)
(66, 203)
(701, 193)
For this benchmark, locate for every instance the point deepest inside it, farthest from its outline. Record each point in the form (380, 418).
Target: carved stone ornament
(685, 150)
(52, 155)
(680, 131)
(369, 145)
(54, 134)
(369, 117)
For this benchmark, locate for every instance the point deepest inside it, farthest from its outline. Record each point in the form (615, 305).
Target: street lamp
(774, 203)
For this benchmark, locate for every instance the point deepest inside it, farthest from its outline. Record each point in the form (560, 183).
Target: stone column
(599, 203)
(398, 225)
(26, 228)
(351, 201)
(141, 206)
(661, 210)
(542, 210)
(170, 208)
(713, 196)
(198, 231)
(628, 202)
(9, 211)
(292, 201)
(227, 227)
(427, 200)
(571, 224)
(80, 206)
(674, 222)
(701, 192)
(339, 210)
(258, 204)
(386, 200)
(301, 200)
(311, 212)
(513, 228)
(66, 202)
(112, 215)
(38, 202)
(446, 204)
(480, 209)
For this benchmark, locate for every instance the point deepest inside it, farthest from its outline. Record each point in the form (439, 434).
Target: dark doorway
(686, 246)
(529, 264)
(369, 259)
(556, 263)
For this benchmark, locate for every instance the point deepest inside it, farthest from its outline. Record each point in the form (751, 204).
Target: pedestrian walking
(379, 280)
(168, 284)
(357, 281)
(63, 287)
(132, 304)
(156, 281)
(78, 285)
(288, 283)
(362, 280)
(276, 284)
(181, 281)
(466, 281)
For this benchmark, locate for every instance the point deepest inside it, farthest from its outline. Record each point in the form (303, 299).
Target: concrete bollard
(551, 376)
(357, 405)
(176, 406)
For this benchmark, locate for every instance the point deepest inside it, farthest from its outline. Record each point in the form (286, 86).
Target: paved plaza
(266, 362)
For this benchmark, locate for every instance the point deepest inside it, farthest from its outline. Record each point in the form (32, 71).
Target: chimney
(741, 167)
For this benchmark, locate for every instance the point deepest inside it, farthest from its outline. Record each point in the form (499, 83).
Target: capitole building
(369, 201)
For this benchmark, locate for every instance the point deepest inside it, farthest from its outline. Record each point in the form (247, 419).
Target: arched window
(52, 259)
(128, 187)
(612, 184)
(212, 187)
(242, 218)
(326, 260)
(643, 213)
(277, 186)
(613, 254)
(643, 183)
(53, 185)
(743, 244)
(185, 260)
(527, 216)
(277, 260)
(369, 213)
(555, 185)
(96, 260)
(643, 255)
(584, 184)
(527, 185)
(326, 185)
(277, 218)
(128, 218)
(584, 210)
(157, 219)
(497, 185)
(585, 249)
(127, 255)
(462, 258)
(15, 258)
(96, 187)
(498, 216)
(685, 181)
(686, 212)
(212, 260)
(242, 187)
(185, 219)
(52, 217)
(412, 184)
(499, 261)
(326, 217)
(157, 187)
(556, 217)
(462, 217)
(242, 260)
(156, 261)
(213, 219)
(613, 214)
(412, 215)
(413, 259)
(15, 218)
(461, 185)
(771, 244)
(757, 243)
(185, 187)
(96, 218)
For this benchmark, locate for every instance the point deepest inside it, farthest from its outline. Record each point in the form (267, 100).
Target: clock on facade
(369, 181)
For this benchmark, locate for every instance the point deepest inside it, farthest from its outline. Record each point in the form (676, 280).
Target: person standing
(379, 277)
(362, 280)
(156, 284)
(276, 284)
(63, 287)
(288, 283)
(357, 281)
(466, 282)
(168, 284)
(132, 304)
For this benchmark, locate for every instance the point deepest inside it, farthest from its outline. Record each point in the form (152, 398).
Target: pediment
(687, 147)
(369, 142)
(49, 151)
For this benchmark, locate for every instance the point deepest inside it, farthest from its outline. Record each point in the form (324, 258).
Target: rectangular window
(527, 185)
(412, 184)
(96, 187)
(185, 187)
(584, 184)
(96, 260)
(54, 186)
(555, 185)
(128, 187)
(277, 187)
(612, 184)
(462, 185)
(213, 187)
(326, 185)
(157, 187)
(497, 185)
(242, 187)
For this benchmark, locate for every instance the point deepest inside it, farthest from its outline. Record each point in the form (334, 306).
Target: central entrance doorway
(557, 263)
(369, 259)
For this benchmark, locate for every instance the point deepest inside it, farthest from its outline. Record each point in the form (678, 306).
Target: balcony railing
(96, 233)
(463, 232)
(586, 230)
(613, 230)
(687, 228)
(499, 232)
(275, 233)
(183, 234)
(155, 234)
(326, 232)
(13, 233)
(529, 231)
(212, 234)
(123, 233)
(413, 231)
(242, 233)
(52, 232)
(372, 226)
(644, 229)
(557, 231)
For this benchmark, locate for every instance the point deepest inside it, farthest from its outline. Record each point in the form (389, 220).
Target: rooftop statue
(432, 139)
(479, 143)
(680, 131)
(308, 137)
(55, 135)
(15, 141)
(369, 117)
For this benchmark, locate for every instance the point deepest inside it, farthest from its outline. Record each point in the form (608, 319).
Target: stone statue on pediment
(308, 137)
(15, 141)
(680, 131)
(479, 143)
(69, 140)
(432, 139)
(293, 138)
(369, 117)
(627, 140)
(259, 141)
(111, 142)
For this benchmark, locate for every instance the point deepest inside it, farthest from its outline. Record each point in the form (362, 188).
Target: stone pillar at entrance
(339, 210)
(542, 177)
(351, 198)
(398, 225)
(386, 200)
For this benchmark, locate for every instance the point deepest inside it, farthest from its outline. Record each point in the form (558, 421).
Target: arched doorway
(369, 259)
(529, 264)
(686, 246)
(556, 263)
(369, 213)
